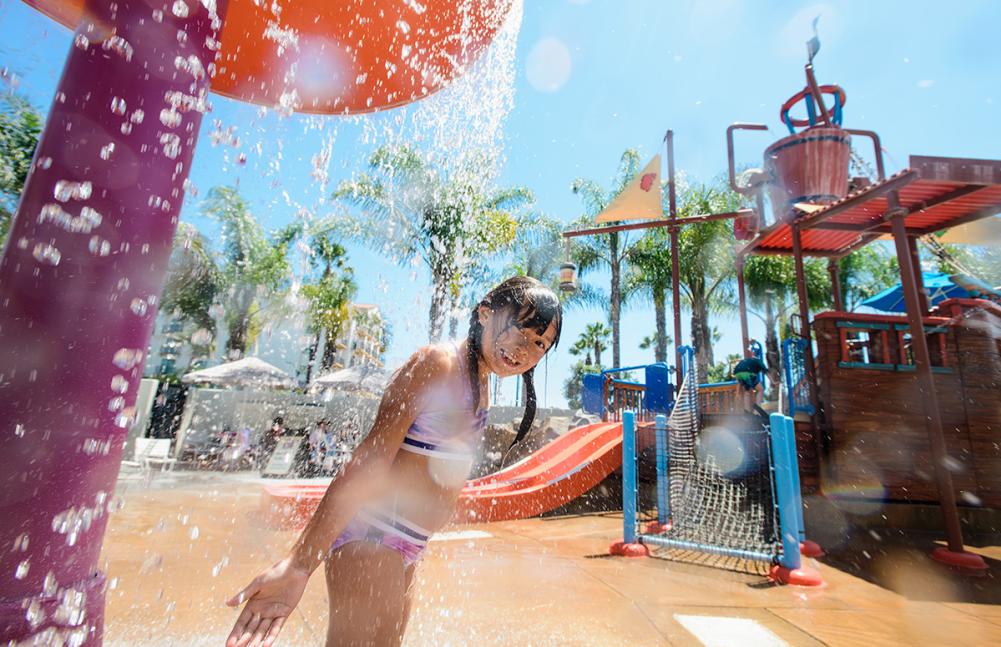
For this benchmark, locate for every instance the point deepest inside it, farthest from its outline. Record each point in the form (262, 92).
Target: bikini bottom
(393, 532)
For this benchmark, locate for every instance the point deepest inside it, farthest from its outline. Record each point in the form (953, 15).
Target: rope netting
(719, 487)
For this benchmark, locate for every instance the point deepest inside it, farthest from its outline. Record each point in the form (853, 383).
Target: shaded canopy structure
(249, 371)
(356, 379)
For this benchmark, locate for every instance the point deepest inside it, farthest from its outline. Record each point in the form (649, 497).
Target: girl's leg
(409, 595)
(366, 586)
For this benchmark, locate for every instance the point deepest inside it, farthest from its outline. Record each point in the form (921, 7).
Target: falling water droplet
(171, 145)
(157, 15)
(139, 306)
(119, 384)
(118, 106)
(22, 570)
(98, 246)
(44, 162)
(107, 150)
(45, 253)
(180, 9)
(116, 403)
(127, 358)
(193, 534)
(81, 41)
(50, 585)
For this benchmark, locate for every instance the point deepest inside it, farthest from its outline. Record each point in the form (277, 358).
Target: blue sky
(925, 75)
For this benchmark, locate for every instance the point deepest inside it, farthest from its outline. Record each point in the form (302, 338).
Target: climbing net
(719, 490)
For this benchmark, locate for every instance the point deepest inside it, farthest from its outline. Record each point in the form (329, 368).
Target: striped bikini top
(447, 426)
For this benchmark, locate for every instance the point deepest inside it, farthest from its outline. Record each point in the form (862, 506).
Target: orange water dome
(335, 56)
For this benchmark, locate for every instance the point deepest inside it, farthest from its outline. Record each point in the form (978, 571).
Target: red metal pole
(919, 279)
(832, 270)
(79, 282)
(672, 201)
(804, 331)
(928, 397)
(742, 297)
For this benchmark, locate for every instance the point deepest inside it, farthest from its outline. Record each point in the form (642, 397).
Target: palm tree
(606, 250)
(771, 290)
(538, 251)
(451, 221)
(254, 267)
(649, 277)
(865, 272)
(193, 282)
(327, 298)
(592, 339)
(652, 341)
(706, 261)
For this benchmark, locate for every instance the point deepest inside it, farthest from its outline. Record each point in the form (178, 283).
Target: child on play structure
(748, 372)
(403, 481)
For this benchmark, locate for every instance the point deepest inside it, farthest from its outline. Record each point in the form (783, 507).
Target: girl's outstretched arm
(273, 594)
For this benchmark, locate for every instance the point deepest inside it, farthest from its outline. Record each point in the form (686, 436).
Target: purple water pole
(79, 281)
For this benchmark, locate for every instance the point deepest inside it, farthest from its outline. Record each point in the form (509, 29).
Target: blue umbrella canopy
(938, 286)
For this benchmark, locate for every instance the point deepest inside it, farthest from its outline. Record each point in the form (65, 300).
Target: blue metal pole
(663, 502)
(788, 519)
(629, 478)
(790, 434)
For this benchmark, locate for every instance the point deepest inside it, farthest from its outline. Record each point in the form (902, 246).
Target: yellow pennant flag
(640, 200)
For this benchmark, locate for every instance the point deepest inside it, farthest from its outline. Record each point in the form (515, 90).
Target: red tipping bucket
(811, 166)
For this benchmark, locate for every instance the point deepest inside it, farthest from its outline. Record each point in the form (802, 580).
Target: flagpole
(675, 264)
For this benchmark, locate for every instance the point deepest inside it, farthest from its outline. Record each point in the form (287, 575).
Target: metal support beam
(672, 200)
(832, 270)
(804, 327)
(926, 384)
(919, 280)
(742, 298)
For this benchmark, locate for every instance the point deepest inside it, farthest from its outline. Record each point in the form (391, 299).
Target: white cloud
(925, 83)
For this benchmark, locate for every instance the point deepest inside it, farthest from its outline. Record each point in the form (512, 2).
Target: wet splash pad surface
(183, 542)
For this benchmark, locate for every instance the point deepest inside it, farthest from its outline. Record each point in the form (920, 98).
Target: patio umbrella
(357, 379)
(248, 371)
(938, 286)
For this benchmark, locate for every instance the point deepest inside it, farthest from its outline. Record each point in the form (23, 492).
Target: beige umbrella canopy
(248, 371)
(356, 379)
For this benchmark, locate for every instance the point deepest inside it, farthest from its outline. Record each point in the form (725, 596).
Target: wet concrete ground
(184, 542)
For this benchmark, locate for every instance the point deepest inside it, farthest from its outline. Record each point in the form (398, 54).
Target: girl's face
(509, 349)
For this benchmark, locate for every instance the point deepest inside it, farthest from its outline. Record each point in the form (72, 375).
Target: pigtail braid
(530, 404)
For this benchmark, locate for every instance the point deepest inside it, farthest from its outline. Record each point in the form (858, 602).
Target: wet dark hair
(530, 304)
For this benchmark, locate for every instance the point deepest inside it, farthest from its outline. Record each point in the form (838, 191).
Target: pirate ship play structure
(881, 411)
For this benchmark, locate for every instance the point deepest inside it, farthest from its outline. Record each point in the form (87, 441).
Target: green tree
(255, 266)
(327, 297)
(192, 286)
(591, 342)
(573, 386)
(606, 250)
(20, 128)
(771, 292)
(451, 221)
(706, 261)
(651, 341)
(866, 272)
(538, 251)
(649, 278)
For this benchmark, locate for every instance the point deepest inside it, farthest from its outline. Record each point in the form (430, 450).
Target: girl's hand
(270, 598)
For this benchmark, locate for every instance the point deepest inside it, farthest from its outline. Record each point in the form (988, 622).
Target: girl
(403, 481)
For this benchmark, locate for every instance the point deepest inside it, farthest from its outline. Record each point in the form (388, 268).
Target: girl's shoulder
(429, 363)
